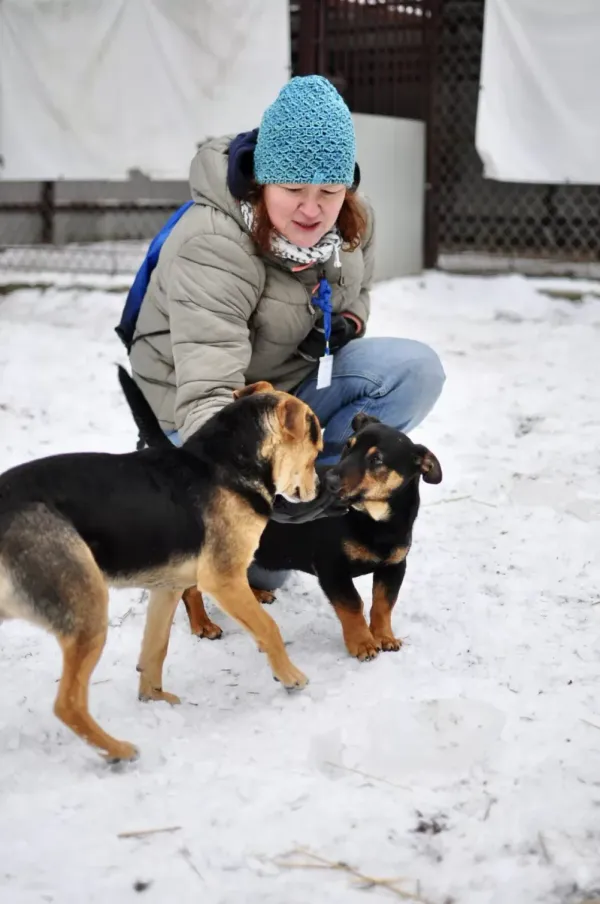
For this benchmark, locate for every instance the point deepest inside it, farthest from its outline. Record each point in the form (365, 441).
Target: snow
(483, 731)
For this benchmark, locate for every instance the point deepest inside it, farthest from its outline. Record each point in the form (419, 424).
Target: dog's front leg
(387, 580)
(233, 595)
(349, 608)
(159, 618)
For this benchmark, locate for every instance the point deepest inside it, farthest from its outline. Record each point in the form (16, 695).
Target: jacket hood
(208, 178)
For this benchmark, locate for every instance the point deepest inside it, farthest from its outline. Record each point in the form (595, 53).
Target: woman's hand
(344, 328)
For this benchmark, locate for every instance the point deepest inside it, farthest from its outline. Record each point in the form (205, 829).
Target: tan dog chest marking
(359, 553)
(233, 532)
(397, 555)
(375, 509)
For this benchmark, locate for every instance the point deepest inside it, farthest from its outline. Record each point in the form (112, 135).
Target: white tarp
(538, 118)
(90, 89)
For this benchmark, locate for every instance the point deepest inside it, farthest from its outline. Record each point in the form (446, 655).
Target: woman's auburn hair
(352, 221)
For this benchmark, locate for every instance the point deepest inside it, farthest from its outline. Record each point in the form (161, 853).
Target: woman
(275, 251)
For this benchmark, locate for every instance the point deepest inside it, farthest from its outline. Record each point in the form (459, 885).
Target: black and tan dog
(378, 477)
(164, 519)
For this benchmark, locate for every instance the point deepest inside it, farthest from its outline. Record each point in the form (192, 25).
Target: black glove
(343, 329)
(325, 505)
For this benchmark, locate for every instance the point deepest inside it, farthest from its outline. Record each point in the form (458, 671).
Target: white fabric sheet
(94, 88)
(538, 116)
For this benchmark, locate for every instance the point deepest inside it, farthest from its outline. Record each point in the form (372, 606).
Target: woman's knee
(396, 360)
(424, 364)
(412, 379)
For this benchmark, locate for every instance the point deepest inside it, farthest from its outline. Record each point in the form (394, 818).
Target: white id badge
(325, 372)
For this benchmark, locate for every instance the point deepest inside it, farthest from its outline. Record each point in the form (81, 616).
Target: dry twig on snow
(375, 778)
(315, 861)
(142, 833)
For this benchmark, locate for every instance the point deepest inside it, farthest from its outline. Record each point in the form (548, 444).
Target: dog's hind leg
(159, 618)
(51, 578)
(84, 590)
(80, 656)
(200, 623)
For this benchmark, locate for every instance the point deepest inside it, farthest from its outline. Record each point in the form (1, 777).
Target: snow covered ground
(467, 763)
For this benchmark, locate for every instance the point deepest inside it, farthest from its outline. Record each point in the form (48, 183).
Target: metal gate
(421, 60)
(470, 213)
(377, 54)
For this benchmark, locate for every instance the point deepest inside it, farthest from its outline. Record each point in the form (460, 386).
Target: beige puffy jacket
(218, 314)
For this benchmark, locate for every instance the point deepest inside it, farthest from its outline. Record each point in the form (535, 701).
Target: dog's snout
(332, 482)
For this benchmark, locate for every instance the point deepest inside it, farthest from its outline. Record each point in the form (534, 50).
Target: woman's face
(303, 213)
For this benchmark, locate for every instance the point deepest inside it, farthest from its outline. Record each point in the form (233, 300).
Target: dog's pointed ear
(431, 469)
(261, 386)
(361, 420)
(293, 418)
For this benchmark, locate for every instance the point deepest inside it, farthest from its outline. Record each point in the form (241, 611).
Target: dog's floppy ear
(261, 386)
(431, 469)
(361, 420)
(292, 417)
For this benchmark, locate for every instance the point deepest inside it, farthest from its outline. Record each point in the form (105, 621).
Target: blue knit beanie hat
(306, 136)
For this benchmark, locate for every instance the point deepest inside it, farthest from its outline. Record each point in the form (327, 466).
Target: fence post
(47, 208)
(433, 35)
(307, 33)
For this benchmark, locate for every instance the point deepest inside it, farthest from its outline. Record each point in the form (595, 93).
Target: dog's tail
(144, 417)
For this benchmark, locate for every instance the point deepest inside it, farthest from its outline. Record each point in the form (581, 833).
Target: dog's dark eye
(376, 460)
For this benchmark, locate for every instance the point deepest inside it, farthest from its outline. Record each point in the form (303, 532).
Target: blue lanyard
(322, 300)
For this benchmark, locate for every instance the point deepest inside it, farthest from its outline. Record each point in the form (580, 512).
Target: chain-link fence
(467, 213)
(82, 226)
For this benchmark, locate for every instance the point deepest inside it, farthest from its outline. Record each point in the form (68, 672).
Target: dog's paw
(363, 648)
(264, 596)
(121, 751)
(209, 630)
(291, 678)
(388, 643)
(147, 693)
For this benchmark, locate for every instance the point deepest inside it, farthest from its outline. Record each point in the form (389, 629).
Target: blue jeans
(395, 380)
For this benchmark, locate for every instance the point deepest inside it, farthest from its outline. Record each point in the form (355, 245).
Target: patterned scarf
(329, 245)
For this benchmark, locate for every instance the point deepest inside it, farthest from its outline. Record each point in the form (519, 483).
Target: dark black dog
(378, 477)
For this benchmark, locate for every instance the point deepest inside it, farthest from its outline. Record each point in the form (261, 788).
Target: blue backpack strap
(322, 300)
(126, 328)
